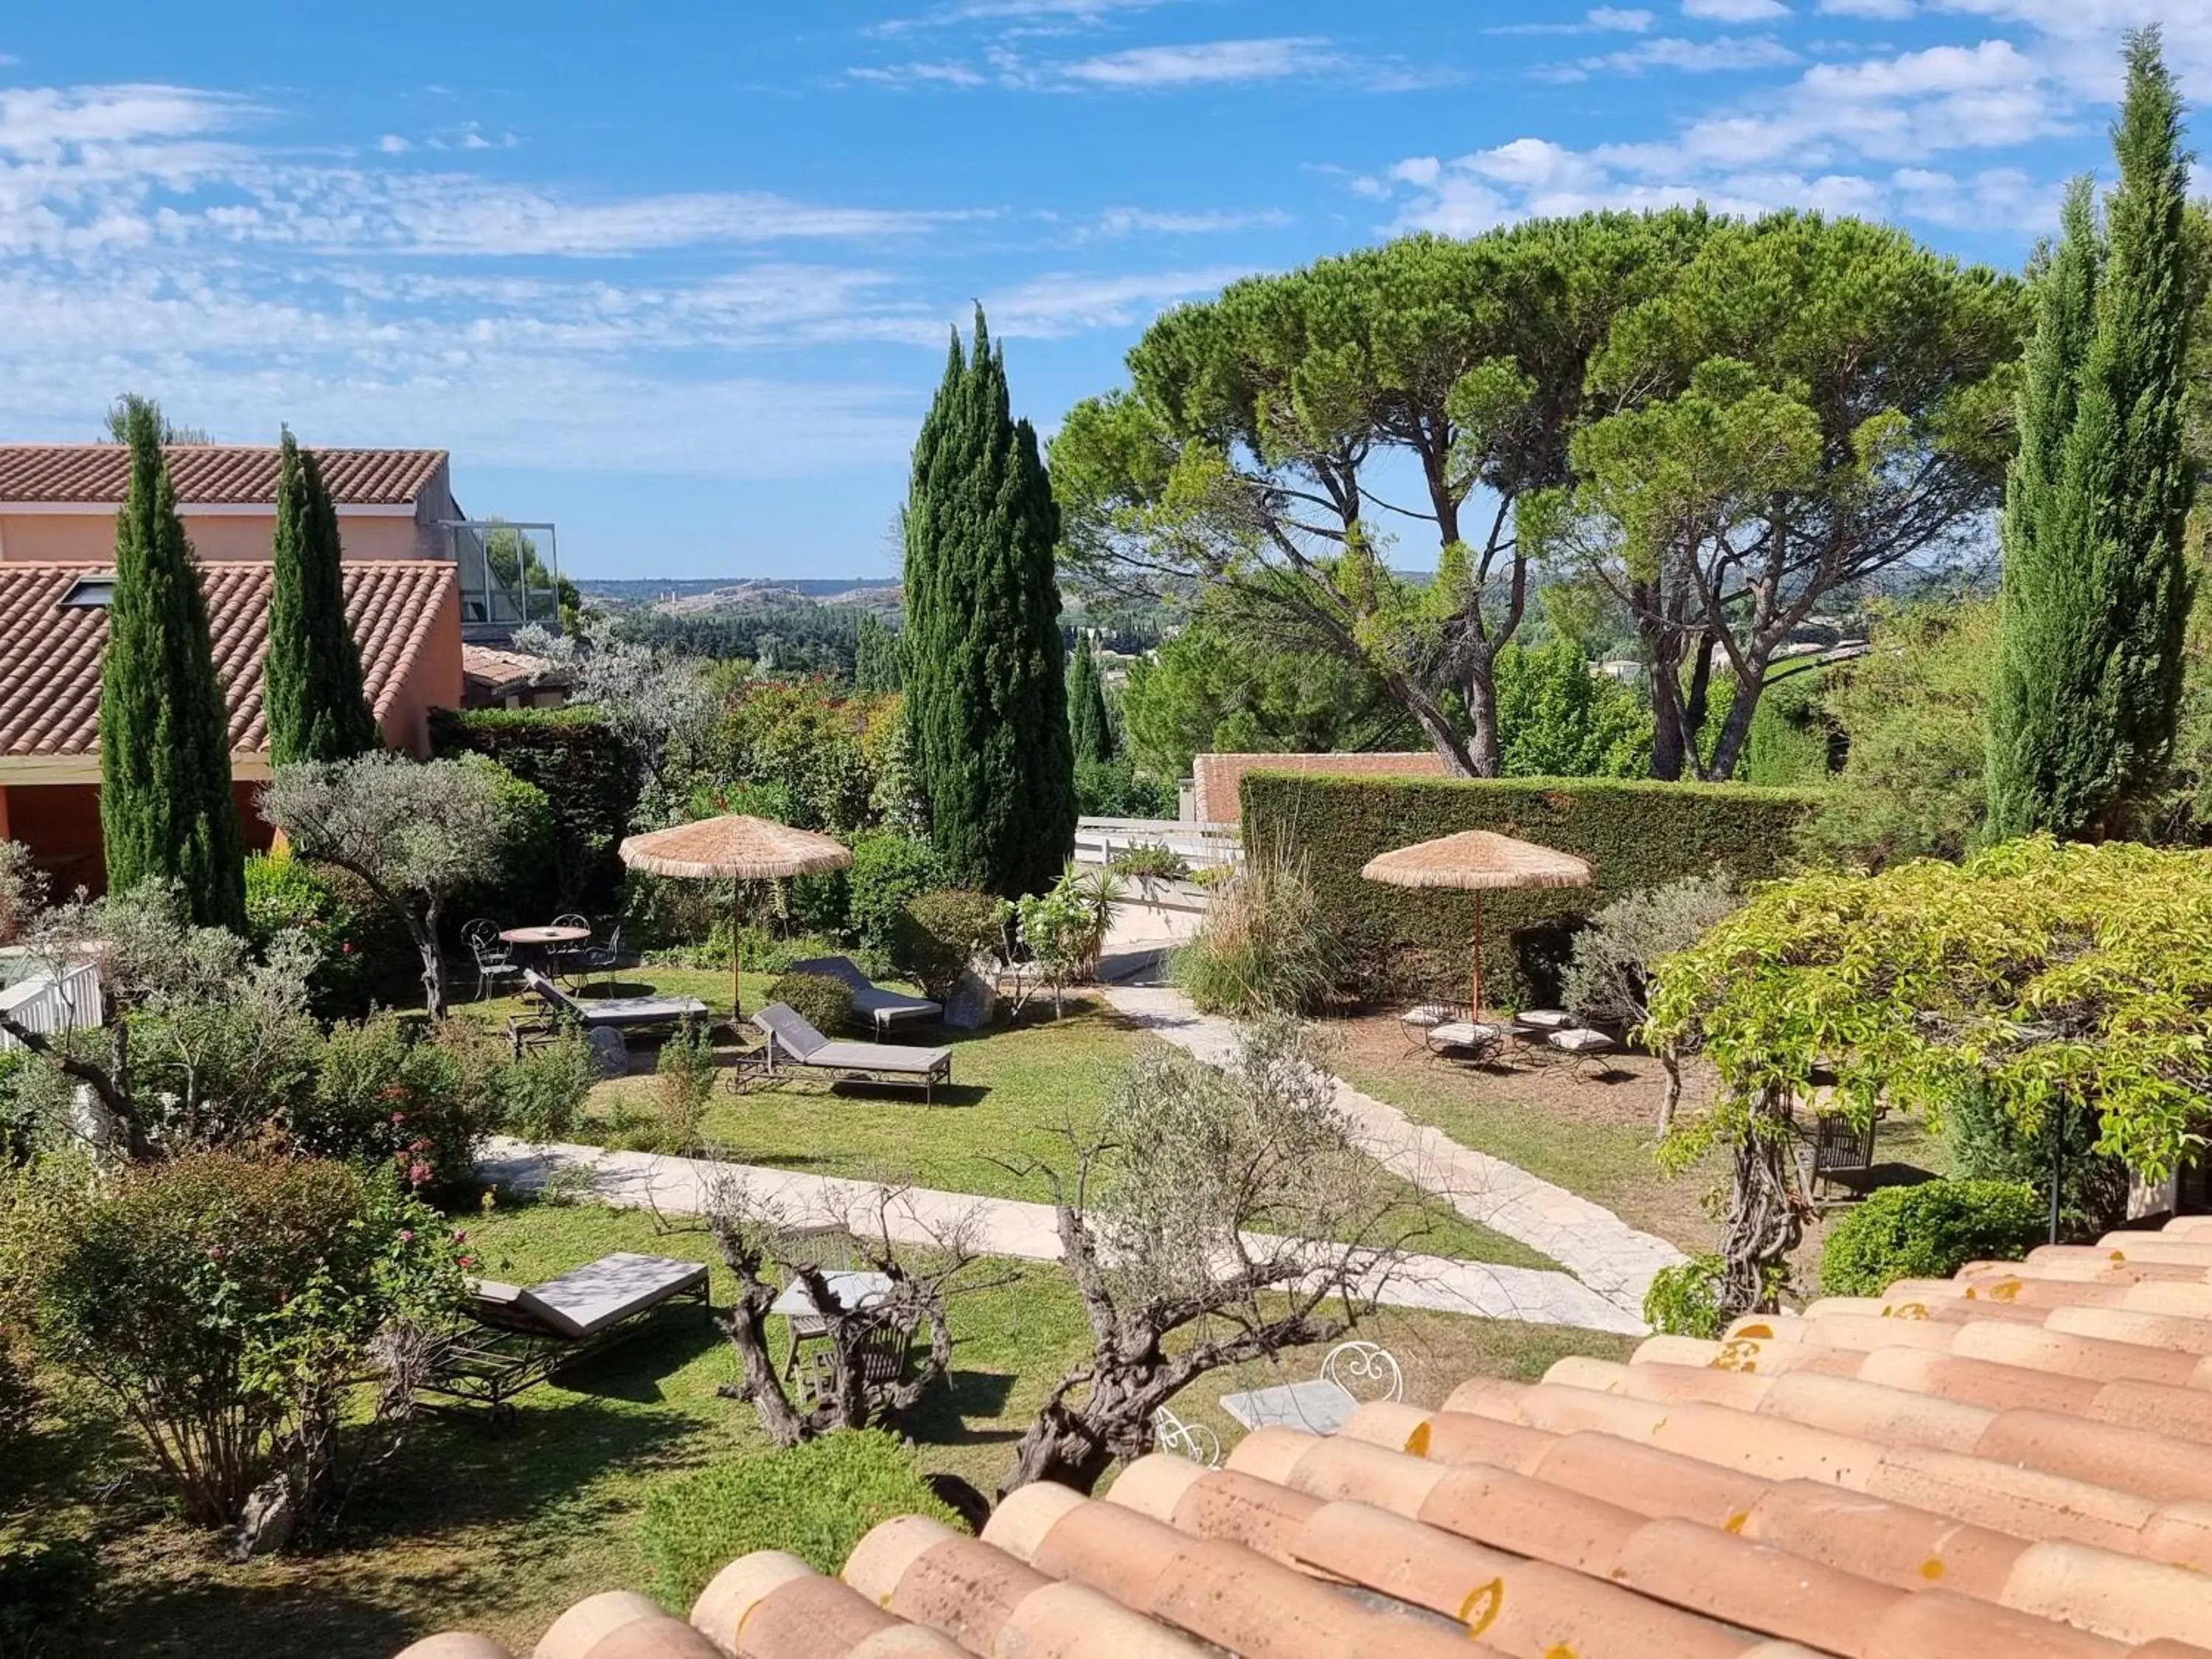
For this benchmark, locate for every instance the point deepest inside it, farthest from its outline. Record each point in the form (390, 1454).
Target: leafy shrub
(816, 1500)
(1266, 946)
(525, 886)
(941, 933)
(385, 1093)
(1113, 789)
(1636, 834)
(1150, 864)
(1063, 931)
(825, 1003)
(541, 1094)
(227, 1305)
(889, 871)
(684, 1082)
(1609, 973)
(588, 776)
(1928, 1231)
(289, 894)
(1988, 1144)
(1684, 1300)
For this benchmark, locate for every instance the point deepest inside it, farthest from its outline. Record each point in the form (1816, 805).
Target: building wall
(73, 538)
(432, 680)
(60, 824)
(1217, 779)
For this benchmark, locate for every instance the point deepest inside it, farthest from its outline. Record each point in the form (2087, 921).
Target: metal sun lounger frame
(502, 1353)
(796, 1046)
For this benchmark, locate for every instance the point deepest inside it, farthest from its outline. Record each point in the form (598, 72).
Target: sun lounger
(794, 1045)
(871, 1004)
(623, 1014)
(520, 1337)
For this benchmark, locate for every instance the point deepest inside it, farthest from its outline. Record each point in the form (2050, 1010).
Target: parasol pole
(1474, 1003)
(736, 950)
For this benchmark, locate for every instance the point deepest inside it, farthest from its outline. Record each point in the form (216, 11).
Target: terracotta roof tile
(2015, 1462)
(211, 474)
(50, 651)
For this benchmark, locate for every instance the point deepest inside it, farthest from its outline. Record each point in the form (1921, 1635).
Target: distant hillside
(679, 597)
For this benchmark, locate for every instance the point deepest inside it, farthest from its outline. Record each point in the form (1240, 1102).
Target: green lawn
(499, 1533)
(994, 1133)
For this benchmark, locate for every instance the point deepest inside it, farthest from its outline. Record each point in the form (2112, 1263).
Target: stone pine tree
(313, 693)
(1088, 727)
(985, 692)
(2097, 585)
(167, 813)
(875, 657)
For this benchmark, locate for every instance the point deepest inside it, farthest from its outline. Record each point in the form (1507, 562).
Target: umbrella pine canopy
(734, 847)
(1478, 861)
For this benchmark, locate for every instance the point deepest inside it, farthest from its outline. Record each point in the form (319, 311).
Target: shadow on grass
(943, 1416)
(192, 1619)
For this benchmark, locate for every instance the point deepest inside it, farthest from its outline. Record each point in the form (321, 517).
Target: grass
(499, 1533)
(995, 1132)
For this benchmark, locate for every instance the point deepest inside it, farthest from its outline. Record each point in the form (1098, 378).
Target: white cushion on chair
(1581, 1041)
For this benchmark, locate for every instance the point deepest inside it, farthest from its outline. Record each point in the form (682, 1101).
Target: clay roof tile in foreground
(209, 475)
(2014, 1463)
(49, 649)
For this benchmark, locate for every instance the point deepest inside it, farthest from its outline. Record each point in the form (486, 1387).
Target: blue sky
(681, 282)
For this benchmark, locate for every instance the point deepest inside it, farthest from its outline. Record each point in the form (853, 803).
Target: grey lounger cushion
(796, 1036)
(617, 1011)
(881, 1007)
(586, 1300)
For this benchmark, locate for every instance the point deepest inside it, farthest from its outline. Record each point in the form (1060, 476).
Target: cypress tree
(2097, 587)
(987, 695)
(875, 657)
(1088, 727)
(166, 809)
(312, 688)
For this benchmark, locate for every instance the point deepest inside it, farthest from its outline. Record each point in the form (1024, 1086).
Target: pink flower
(466, 1262)
(346, 949)
(460, 1236)
(418, 1173)
(400, 1117)
(215, 1252)
(406, 1235)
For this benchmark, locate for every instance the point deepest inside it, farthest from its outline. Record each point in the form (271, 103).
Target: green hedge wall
(1406, 942)
(589, 782)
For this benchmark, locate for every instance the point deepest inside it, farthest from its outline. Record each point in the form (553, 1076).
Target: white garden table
(850, 1290)
(1317, 1406)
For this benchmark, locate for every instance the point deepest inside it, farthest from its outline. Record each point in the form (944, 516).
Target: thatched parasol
(735, 848)
(1478, 860)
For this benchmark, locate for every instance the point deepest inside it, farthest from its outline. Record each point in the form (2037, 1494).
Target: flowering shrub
(229, 1303)
(386, 1094)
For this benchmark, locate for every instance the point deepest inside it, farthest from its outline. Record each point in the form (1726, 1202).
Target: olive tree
(1211, 1216)
(415, 833)
(2046, 978)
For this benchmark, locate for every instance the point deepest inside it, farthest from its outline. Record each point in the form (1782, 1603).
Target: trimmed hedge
(589, 782)
(1928, 1231)
(1399, 941)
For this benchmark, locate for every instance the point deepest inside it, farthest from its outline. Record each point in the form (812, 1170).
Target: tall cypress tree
(166, 808)
(311, 688)
(2097, 588)
(1089, 726)
(987, 696)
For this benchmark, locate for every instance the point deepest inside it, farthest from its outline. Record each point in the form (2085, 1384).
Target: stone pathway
(1011, 1227)
(1601, 1249)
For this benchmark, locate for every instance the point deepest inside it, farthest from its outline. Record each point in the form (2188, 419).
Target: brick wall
(1218, 779)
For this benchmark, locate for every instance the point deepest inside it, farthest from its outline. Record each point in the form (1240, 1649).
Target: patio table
(1318, 1407)
(546, 941)
(853, 1290)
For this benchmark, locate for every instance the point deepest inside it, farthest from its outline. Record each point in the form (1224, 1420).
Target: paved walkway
(1601, 1249)
(1002, 1226)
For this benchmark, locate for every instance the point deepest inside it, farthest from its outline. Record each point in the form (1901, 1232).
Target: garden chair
(1193, 1440)
(494, 957)
(829, 1248)
(1838, 1152)
(1352, 1374)
(794, 1045)
(881, 1354)
(598, 958)
(1583, 1047)
(1417, 1022)
(871, 1004)
(563, 956)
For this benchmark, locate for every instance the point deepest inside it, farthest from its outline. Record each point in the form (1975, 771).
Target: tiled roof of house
(490, 672)
(49, 650)
(210, 475)
(2013, 1464)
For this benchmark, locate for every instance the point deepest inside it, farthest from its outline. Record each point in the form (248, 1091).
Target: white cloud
(1628, 22)
(392, 144)
(1720, 54)
(1734, 11)
(1050, 305)
(1083, 13)
(1207, 64)
(1123, 221)
(1886, 10)
(919, 75)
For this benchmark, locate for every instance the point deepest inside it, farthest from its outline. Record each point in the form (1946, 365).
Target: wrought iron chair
(600, 958)
(1193, 1440)
(560, 958)
(494, 957)
(1365, 1371)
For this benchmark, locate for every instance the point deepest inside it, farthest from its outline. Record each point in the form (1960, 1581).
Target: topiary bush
(1928, 1231)
(1637, 835)
(816, 1500)
(941, 933)
(824, 1003)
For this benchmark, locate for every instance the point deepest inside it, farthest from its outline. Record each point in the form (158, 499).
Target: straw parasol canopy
(1478, 861)
(735, 847)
